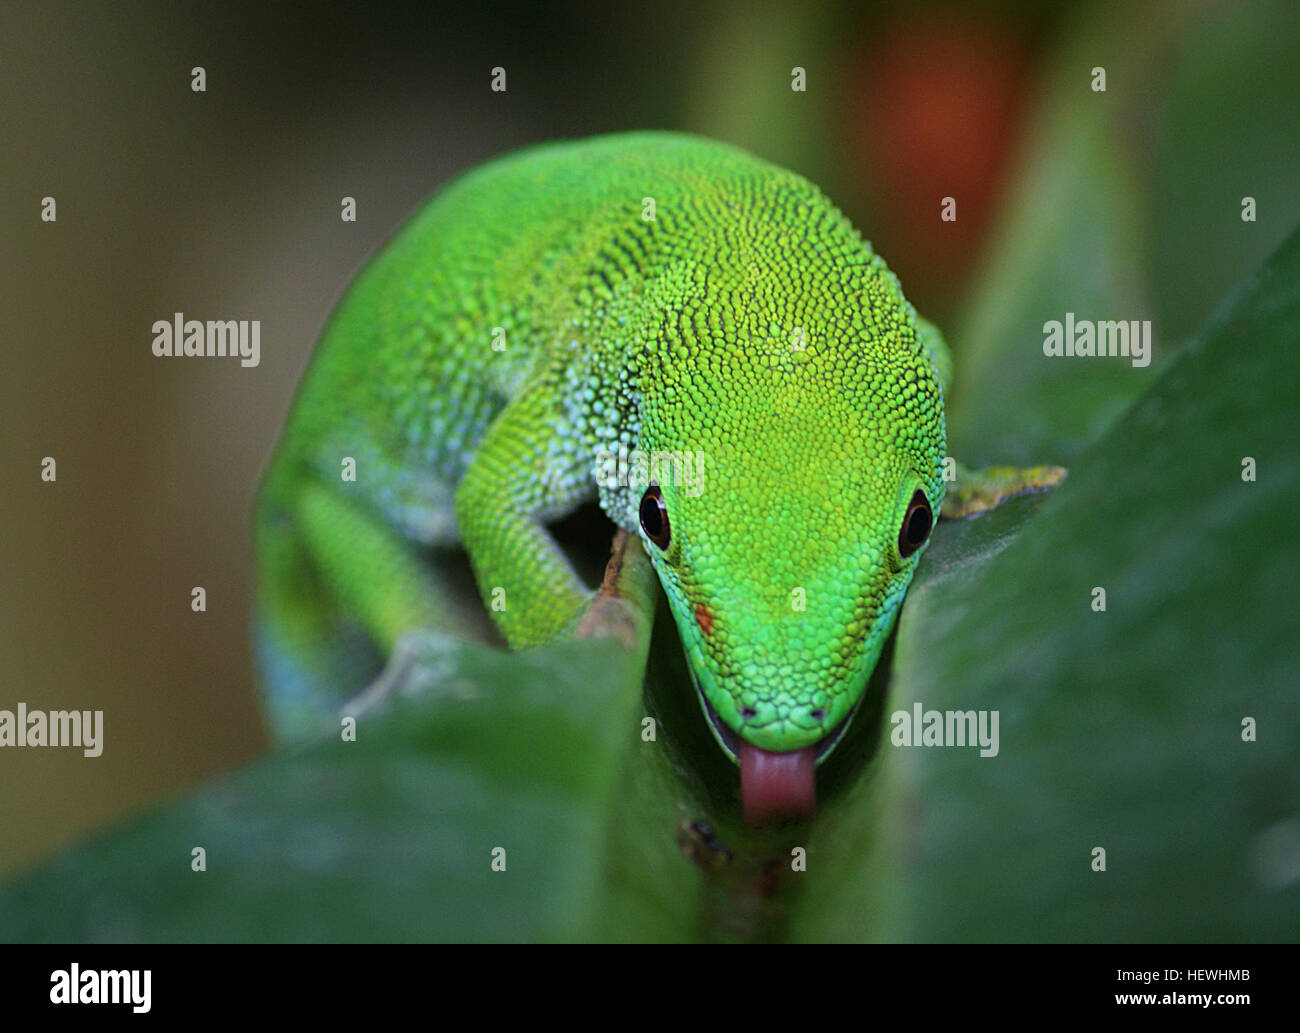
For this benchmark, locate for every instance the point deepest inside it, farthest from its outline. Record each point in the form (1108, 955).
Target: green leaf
(387, 838)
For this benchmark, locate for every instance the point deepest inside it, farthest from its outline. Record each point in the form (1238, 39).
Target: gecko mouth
(734, 746)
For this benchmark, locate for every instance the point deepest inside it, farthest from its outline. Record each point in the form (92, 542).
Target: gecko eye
(916, 525)
(654, 517)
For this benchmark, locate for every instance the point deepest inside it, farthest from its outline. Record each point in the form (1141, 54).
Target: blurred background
(225, 204)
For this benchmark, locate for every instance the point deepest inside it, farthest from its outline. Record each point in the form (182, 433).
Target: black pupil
(651, 519)
(918, 525)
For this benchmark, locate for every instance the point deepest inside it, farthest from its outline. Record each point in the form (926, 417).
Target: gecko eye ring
(916, 525)
(654, 517)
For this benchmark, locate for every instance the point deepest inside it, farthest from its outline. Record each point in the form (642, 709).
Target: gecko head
(786, 556)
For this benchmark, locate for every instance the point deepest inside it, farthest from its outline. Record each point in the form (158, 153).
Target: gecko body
(645, 293)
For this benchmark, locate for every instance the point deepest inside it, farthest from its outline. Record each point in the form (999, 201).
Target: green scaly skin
(747, 322)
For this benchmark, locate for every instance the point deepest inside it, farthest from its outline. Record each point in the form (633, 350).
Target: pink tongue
(776, 785)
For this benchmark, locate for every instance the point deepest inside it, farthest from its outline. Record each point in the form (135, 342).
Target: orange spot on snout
(704, 618)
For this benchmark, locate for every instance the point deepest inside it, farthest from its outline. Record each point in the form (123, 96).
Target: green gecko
(646, 291)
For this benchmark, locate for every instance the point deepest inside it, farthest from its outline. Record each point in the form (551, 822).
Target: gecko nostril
(748, 712)
(819, 714)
